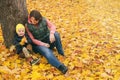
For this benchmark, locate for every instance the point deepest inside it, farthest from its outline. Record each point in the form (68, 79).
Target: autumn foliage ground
(90, 32)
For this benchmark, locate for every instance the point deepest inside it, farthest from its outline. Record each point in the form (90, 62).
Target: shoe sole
(36, 61)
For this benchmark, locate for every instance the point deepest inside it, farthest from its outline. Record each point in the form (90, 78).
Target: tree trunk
(12, 12)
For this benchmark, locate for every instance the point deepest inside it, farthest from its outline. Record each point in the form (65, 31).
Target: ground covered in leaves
(90, 32)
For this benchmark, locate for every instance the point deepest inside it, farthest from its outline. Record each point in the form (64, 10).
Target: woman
(44, 37)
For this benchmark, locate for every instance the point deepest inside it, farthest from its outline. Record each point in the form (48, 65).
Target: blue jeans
(48, 53)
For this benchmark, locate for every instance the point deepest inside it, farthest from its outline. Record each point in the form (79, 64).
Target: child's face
(33, 21)
(21, 32)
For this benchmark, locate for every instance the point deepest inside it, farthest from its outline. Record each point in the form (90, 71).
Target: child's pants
(26, 52)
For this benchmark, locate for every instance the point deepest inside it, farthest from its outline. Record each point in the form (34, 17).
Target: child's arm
(16, 43)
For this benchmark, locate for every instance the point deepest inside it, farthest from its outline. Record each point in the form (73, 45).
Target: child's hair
(36, 14)
(19, 26)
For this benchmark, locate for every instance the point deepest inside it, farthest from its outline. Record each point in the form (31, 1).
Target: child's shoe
(34, 61)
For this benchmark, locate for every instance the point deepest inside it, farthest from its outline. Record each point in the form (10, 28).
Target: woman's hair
(36, 14)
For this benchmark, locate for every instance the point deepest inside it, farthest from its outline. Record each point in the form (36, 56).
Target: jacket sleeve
(15, 40)
(17, 45)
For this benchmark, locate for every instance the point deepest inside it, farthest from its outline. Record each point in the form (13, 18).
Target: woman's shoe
(63, 68)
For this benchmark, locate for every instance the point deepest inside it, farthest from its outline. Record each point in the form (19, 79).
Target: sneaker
(63, 68)
(34, 61)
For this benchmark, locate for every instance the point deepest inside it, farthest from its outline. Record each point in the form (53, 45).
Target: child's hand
(25, 40)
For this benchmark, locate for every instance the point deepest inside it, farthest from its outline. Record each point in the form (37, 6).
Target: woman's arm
(51, 26)
(35, 41)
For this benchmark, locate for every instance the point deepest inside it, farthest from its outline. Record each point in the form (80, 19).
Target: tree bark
(12, 12)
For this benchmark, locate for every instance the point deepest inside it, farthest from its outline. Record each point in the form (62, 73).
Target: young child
(21, 41)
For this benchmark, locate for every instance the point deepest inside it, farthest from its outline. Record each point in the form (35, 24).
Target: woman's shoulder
(44, 18)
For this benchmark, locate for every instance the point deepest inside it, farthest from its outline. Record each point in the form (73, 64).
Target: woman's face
(33, 21)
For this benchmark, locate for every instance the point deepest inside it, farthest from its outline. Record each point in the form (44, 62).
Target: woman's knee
(57, 35)
(44, 50)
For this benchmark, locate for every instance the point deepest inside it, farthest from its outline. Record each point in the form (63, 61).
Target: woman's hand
(52, 37)
(46, 45)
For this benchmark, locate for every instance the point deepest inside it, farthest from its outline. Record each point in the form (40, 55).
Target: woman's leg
(48, 54)
(58, 43)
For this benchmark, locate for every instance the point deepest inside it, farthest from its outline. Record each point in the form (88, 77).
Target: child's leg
(29, 57)
(29, 48)
(21, 55)
(26, 52)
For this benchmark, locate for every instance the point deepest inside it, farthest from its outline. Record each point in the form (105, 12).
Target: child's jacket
(17, 40)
